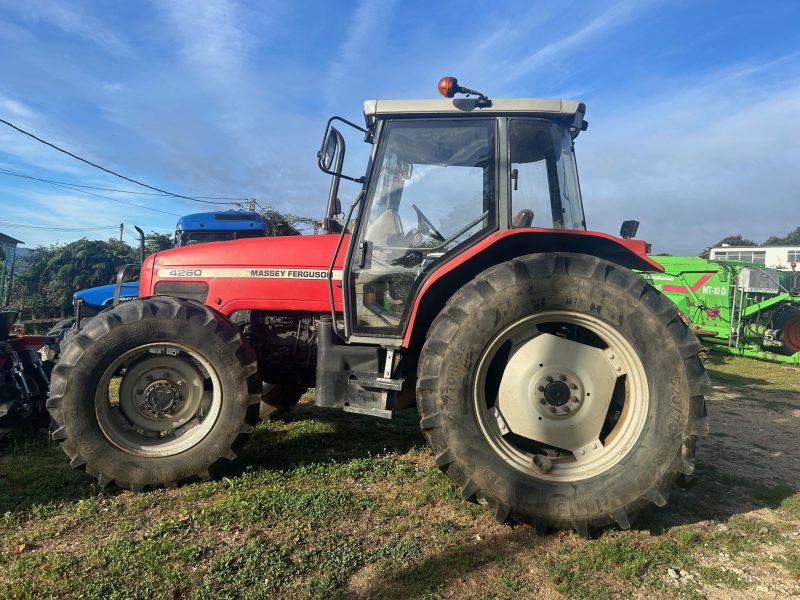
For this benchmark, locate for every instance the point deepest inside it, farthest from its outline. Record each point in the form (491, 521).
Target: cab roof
(555, 108)
(229, 220)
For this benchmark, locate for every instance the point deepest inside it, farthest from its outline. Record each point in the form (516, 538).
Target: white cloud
(560, 49)
(213, 38)
(709, 158)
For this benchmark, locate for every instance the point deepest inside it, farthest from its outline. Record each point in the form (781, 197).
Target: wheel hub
(161, 392)
(556, 393)
(160, 398)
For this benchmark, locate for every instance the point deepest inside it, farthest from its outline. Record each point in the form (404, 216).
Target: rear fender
(505, 245)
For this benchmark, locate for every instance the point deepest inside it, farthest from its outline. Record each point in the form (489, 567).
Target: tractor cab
(219, 226)
(445, 175)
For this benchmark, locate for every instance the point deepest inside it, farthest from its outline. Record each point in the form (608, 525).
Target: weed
(688, 537)
(790, 560)
(582, 571)
(721, 577)
(511, 572)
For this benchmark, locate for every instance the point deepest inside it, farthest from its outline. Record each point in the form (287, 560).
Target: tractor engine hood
(275, 273)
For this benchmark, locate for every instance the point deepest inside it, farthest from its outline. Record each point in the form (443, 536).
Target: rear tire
(504, 390)
(789, 325)
(154, 392)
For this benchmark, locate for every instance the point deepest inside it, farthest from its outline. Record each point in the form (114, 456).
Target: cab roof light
(448, 87)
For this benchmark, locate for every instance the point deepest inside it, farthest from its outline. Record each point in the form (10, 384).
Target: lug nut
(562, 377)
(553, 409)
(540, 388)
(573, 386)
(566, 409)
(575, 399)
(549, 378)
(542, 400)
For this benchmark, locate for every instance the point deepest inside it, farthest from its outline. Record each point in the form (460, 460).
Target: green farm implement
(735, 307)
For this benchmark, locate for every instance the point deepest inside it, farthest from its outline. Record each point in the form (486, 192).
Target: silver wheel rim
(561, 395)
(158, 400)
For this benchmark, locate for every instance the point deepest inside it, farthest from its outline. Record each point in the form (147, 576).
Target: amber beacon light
(448, 87)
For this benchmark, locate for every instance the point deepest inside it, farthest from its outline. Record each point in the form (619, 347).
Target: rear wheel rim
(158, 400)
(561, 395)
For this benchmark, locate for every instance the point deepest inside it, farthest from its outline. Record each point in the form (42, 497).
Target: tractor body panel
(190, 229)
(100, 297)
(287, 274)
(511, 243)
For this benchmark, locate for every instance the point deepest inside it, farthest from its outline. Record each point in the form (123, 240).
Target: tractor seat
(523, 218)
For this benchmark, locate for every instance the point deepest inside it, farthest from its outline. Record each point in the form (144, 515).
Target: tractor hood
(258, 273)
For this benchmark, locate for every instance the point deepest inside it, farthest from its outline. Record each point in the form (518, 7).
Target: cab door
(433, 193)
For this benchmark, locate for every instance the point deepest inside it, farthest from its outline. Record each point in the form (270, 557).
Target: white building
(776, 257)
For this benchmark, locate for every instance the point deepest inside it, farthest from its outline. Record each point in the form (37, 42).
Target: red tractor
(23, 380)
(553, 383)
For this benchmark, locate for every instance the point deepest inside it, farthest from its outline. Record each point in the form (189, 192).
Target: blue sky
(693, 106)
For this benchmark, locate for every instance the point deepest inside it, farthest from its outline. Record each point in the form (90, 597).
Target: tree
(286, 223)
(790, 239)
(156, 242)
(731, 240)
(54, 273)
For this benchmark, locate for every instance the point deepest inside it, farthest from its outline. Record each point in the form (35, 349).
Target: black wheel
(277, 400)
(154, 392)
(563, 391)
(59, 330)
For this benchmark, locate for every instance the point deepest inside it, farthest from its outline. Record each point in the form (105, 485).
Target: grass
(721, 577)
(755, 374)
(604, 568)
(330, 505)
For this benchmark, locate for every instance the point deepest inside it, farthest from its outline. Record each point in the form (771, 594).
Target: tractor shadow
(311, 435)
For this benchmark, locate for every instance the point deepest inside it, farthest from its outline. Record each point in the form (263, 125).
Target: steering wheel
(423, 220)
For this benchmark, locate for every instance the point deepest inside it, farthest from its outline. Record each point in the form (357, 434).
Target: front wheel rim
(561, 395)
(158, 400)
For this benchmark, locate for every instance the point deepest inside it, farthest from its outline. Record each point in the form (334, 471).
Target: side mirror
(628, 229)
(329, 149)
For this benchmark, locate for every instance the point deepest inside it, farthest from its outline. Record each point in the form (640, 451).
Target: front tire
(563, 391)
(154, 392)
